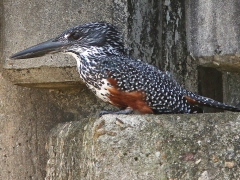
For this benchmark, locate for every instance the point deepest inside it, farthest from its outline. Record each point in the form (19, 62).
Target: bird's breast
(112, 89)
(101, 89)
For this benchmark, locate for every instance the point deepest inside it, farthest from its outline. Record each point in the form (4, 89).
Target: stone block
(213, 33)
(201, 146)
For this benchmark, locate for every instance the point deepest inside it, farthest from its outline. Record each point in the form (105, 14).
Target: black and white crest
(99, 34)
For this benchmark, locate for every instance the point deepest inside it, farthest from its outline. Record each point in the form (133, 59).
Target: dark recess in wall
(210, 84)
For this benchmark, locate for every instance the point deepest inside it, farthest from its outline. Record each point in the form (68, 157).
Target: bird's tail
(194, 99)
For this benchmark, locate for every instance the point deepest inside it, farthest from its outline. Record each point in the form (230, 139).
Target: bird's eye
(74, 36)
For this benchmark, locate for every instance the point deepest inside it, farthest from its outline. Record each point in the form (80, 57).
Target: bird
(116, 78)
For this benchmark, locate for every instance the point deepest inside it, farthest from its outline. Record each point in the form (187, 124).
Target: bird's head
(78, 39)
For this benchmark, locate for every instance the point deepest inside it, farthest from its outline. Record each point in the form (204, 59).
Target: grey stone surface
(213, 32)
(26, 118)
(203, 146)
(231, 88)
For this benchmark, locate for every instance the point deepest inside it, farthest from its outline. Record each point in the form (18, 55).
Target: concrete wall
(49, 131)
(213, 31)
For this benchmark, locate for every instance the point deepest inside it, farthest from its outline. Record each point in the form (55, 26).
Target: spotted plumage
(117, 78)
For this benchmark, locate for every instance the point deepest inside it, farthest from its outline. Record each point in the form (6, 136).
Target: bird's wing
(157, 89)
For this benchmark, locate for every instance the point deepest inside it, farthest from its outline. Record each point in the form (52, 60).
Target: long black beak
(41, 49)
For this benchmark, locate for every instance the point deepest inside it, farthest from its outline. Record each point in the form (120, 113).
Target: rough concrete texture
(213, 31)
(26, 118)
(203, 146)
(160, 44)
(231, 88)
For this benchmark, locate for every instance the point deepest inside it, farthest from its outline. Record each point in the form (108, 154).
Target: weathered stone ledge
(200, 146)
